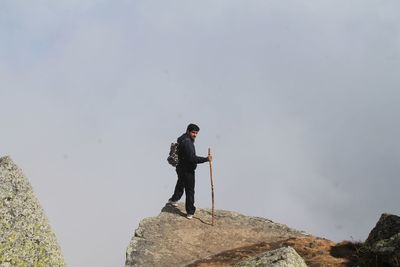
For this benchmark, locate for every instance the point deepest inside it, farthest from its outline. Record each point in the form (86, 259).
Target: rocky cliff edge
(170, 239)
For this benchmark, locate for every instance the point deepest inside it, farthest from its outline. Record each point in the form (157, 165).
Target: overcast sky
(298, 100)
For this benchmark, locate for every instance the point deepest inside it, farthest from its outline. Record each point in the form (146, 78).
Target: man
(185, 169)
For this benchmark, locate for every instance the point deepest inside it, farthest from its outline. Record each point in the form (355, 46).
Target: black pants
(185, 182)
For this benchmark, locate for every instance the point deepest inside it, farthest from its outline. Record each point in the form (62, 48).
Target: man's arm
(190, 154)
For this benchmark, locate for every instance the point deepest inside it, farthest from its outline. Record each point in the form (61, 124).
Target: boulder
(170, 239)
(26, 238)
(282, 257)
(384, 240)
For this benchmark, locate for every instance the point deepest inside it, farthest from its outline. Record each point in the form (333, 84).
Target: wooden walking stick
(212, 187)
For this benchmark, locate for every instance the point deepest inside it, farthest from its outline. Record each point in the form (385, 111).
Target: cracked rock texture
(172, 240)
(26, 238)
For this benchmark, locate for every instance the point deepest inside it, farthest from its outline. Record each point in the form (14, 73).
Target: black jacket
(187, 154)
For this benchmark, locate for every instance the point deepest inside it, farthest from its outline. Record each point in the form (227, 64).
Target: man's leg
(189, 191)
(179, 187)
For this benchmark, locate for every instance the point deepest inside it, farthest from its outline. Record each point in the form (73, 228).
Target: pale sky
(298, 100)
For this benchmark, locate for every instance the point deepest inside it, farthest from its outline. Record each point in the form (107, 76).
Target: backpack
(173, 154)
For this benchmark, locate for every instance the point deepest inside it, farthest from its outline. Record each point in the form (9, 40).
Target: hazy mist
(298, 100)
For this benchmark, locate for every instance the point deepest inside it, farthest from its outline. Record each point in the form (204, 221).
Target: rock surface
(172, 240)
(387, 226)
(281, 257)
(384, 239)
(26, 238)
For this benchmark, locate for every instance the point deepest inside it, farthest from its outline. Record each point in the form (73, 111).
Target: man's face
(193, 134)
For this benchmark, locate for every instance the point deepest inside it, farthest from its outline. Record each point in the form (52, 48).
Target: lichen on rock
(383, 243)
(26, 237)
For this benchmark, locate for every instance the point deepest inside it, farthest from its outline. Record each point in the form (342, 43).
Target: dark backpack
(173, 154)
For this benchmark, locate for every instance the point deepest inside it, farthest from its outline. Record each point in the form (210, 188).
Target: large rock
(384, 240)
(26, 238)
(282, 257)
(172, 240)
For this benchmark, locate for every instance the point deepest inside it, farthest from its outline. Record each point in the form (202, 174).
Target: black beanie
(192, 127)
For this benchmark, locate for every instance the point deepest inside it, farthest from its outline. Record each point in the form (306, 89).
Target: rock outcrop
(281, 257)
(384, 240)
(26, 238)
(172, 240)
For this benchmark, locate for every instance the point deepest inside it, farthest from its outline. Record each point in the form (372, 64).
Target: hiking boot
(189, 216)
(173, 203)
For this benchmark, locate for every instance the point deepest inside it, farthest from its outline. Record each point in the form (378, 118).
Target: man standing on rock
(185, 169)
